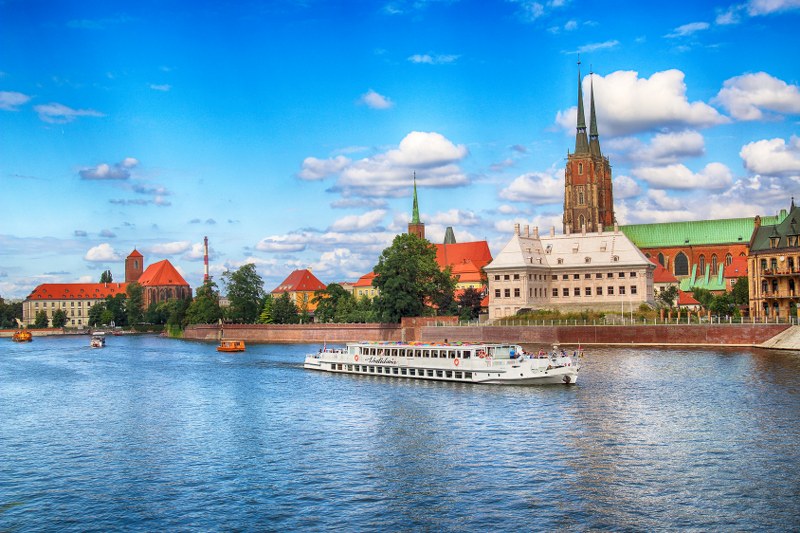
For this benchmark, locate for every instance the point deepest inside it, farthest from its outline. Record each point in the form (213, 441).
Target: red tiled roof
(686, 298)
(300, 280)
(365, 280)
(466, 271)
(76, 291)
(161, 274)
(662, 275)
(135, 253)
(453, 254)
(737, 268)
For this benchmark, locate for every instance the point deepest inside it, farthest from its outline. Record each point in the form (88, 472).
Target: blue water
(155, 434)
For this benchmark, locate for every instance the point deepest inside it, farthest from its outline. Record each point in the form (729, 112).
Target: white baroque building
(600, 270)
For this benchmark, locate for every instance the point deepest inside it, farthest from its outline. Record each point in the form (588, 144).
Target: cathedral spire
(581, 144)
(415, 208)
(594, 138)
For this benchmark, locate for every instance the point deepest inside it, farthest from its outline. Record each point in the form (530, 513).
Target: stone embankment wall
(672, 335)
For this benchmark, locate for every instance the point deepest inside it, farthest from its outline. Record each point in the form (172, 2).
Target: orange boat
(22, 336)
(230, 346)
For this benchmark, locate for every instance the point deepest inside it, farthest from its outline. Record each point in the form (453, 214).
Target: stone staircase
(786, 340)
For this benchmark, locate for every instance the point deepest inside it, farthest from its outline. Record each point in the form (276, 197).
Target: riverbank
(777, 336)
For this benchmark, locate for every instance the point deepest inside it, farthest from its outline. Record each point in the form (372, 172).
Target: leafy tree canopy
(741, 292)
(469, 304)
(41, 320)
(668, 296)
(106, 277)
(135, 304)
(284, 310)
(328, 301)
(59, 318)
(205, 308)
(245, 293)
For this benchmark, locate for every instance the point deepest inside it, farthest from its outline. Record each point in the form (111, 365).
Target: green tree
(9, 313)
(96, 313)
(443, 294)
(469, 304)
(364, 311)
(703, 296)
(106, 277)
(177, 312)
(59, 318)
(205, 308)
(157, 313)
(266, 316)
(723, 305)
(117, 306)
(408, 278)
(284, 310)
(668, 296)
(741, 292)
(328, 301)
(135, 304)
(41, 320)
(245, 293)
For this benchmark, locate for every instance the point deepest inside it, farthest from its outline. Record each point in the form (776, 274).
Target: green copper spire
(594, 138)
(415, 211)
(581, 143)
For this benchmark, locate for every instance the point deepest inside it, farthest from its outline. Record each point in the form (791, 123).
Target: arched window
(580, 168)
(764, 286)
(582, 219)
(728, 259)
(661, 259)
(581, 199)
(714, 264)
(774, 285)
(701, 265)
(681, 264)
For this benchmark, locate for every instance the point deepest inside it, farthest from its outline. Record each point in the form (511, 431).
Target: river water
(153, 434)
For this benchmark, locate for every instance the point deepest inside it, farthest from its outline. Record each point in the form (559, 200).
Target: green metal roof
(704, 281)
(697, 232)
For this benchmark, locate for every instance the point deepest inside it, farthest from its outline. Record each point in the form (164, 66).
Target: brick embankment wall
(36, 332)
(287, 333)
(674, 334)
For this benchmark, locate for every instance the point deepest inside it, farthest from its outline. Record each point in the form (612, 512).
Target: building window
(576, 291)
(621, 290)
(610, 291)
(497, 293)
(633, 289)
(576, 276)
(728, 259)
(763, 264)
(564, 276)
(497, 277)
(507, 293)
(681, 264)
(516, 276)
(622, 274)
(633, 274)
(560, 261)
(598, 275)
(565, 292)
(773, 264)
(580, 168)
(702, 264)
(587, 291)
(516, 293)
(555, 293)
(599, 291)
(661, 259)
(506, 277)
(554, 277)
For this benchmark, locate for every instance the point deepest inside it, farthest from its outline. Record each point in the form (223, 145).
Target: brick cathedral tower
(415, 227)
(134, 266)
(588, 200)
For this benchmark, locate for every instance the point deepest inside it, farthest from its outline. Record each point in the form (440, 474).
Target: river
(157, 434)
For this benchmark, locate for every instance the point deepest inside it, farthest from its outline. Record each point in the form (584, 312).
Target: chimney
(583, 229)
(536, 232)
(599, 228)
(516, 229)
(205, 259)
(552, 231)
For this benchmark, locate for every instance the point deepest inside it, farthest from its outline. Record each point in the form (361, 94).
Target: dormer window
(560, 261)
(773, 242)
(615, 258)
(587, 259)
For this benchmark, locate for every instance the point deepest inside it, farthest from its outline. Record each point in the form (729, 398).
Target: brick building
(301, 286)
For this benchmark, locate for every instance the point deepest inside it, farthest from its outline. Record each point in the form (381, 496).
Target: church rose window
(681, 264)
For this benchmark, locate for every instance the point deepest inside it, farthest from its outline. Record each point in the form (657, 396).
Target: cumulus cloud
(663, 148)
(170, 248)
(713, 176)
(767, 7)
(102, 253)
(107, 234)
(196, 252)
(747, 96)
(688, 29)
(627, 104)
(163, 87)
(455, 217)
(431, 155)
(429, 59)
(375, 100)
(772, 157)
(55, 113)
(317, 169)
(282, 244)
(535, 187)
(10, 101)
(369, 220)
(104, 171)
(594, 47)
(625, 187)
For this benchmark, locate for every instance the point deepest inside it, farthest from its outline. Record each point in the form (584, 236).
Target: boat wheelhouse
(98, 340)
(230, 346)
(22, 336)
(499, 364)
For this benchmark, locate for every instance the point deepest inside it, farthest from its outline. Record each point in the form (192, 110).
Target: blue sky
(288, 131)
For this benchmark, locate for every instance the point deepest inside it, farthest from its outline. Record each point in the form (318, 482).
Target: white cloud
(433, 157)
(625, 187)
(593, 47)
(163, 87)
(170, 248)
(664, 148)
(55, 113)
(627, 104)
(369, 220)
(767, 7)
(747, 95)
(104, 171)
(535, 187)
(660, 198)
(688, 29)
(772, 157)
(317, 169)
(282, 244)
(10, 101)
(454, 217)
(713, 176)
(196, 252)
(439, 59)
(102, 253)
(374, 100)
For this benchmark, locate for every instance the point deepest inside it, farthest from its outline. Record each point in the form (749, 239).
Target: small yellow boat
(230, 346)
(22, 336)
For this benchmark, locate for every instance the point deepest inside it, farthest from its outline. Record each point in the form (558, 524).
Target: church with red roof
(301, 286)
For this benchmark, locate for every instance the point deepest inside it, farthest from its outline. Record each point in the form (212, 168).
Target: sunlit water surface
(155, 434)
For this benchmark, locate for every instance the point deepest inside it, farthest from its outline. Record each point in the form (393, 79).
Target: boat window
(426, 353)
(438, 373)
(395, 371)
(468, 375)
(403, 371)
(430, 373)
(458, 375)
(372, 369)
(349, 368)
(448, 374)
(411, 372)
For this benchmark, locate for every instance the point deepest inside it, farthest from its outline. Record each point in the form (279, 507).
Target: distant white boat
(98, 340)
(497, 364)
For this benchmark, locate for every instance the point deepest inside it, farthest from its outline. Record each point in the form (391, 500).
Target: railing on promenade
(626, 321)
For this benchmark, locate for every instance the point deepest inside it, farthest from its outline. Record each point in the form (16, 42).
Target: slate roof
(76, 291)
(300, 281)
(161, 274)
(790, 225)
(668, 234)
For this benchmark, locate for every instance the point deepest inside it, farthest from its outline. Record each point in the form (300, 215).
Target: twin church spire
(584, 145)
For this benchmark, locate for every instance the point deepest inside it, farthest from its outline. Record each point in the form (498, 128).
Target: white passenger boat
(98, 340)
(498, 364)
